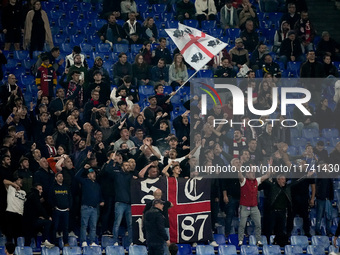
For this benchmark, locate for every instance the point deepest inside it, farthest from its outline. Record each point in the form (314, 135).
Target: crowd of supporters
(72, 141)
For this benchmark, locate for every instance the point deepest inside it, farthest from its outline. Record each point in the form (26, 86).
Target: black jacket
(290, 48)
(154, 223)
(60, 196)
(33, 208)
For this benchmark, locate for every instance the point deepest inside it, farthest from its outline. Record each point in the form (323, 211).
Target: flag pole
(185, 82)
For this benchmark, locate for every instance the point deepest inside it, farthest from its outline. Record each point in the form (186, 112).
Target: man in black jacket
(112, 32)
(154, 223)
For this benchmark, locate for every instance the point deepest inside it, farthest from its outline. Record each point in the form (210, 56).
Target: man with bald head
(158, 196)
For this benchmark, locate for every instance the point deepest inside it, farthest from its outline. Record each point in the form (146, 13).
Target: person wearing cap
(61, 202)
(154, 223)
(112, 32)
(46, 77)
(121, 68)
(239, 55)
(98, 66)
(101, 85)
(290, 49)
(91, 200)
(69, 59)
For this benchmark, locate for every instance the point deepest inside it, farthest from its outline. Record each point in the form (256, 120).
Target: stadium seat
(233, 33)
(184, 249)
(293, 249)
(21, 54)
(92, 250)
(330, 133)
(86, 48)
(119, 47)
(71, 30)
(2, 250)
(220, 239)
(334, 141)
(103, 47)
(205, 250)
(292, 151)
(18, 71)
(85, 7)
(59, 38)
(297, 141)
(332, 248)
(135, 48)
(72, 14)
(137, 250)
(114, 250)
(91, 15)
(11, 64)
(205, 74)
(81, 22)
(89, 30)
(215, 32)
(72, 241)
(252, 240)
(146, 90)
(66, 47)
(309, 134)
(98, 23)
(21, 241)
(208, 24)
(165, 16)
(320, 241)
(159, 8)
(176, 100)
(227, 250)
(293, 66)
(23, 250)
(50, 251)
(71, 250)
(171, 23)
(271, 250)
(191, 23)
(56, 14)
(107, 241)
(77, 39)
(249, 250)
(315, 250)
(27, 80)
(301, 241)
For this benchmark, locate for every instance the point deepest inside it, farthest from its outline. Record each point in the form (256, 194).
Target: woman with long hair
(149, 30)
(68, 107)
(141, 71)
(146, 52)
(178, 73)
(37, 30)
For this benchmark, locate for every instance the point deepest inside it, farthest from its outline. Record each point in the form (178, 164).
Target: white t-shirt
(15, 200)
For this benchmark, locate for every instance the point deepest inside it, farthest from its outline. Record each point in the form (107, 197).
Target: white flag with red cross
(197, 47)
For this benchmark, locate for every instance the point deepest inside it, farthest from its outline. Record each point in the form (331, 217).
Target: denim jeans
(320, 212)
(120, 210)
(89, 217)
(230, 210)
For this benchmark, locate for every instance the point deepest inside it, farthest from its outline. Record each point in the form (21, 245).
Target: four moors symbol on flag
(196, 47)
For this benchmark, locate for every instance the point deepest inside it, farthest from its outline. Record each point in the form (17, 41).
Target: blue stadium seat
(143, 8)
(269, 35)
(47, 6)
(171, 24)
(63, 22)
(233, 33)
(159, 24)
(309, 134)
(50, 251)
(293, 249)
(147, 14)
(66, 6)
(184, 249)
(91, 15)
(159, 8)
(294, 132)
(11, 64)
(114, 250)
(18, 71)
(205, 73)
(135, 48)
(146, 90)
(81, 22)
(205, 250)
(334, 141)
(77, 39)
(165, 16)
(66, 47)
(293, 66)
(301, 241)
(137, 250)
(21, 54)
(107, 241)
(98, 23)
(89, 30)
(23, 250)
(249, 250)
(271, 250)
(71, 30)
(227, 250)
(72, 250)
(86, 48)
(27, 63)
(21, 241)
(72, 241)
(27, 80)
(215, 32)
(330, 133)
(92, 250)
(292, 150)
(176, 100)
(103, 47)
(332, 248)
(315, 250)
(297, 141)
(2, 250)
(321, 241)
(191, 23)
(220, 239)
(252, 240)
(208, 24)
(85, 7)
(56, 14)
(118, 47)
(59, 38)
(72, 14)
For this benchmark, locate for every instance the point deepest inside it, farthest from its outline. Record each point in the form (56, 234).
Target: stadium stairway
(328, 20)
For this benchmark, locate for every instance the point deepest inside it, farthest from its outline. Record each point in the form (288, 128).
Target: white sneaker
(214, 244)
(72, 234)
(194, 244)
(47, 244)
(115, 244)
(84, 244)
(259, 243)
(94, 244)
(58, 235)
(107, 41)
(240, 243)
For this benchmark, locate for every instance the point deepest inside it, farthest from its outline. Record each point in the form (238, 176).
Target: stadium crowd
(72, 141)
